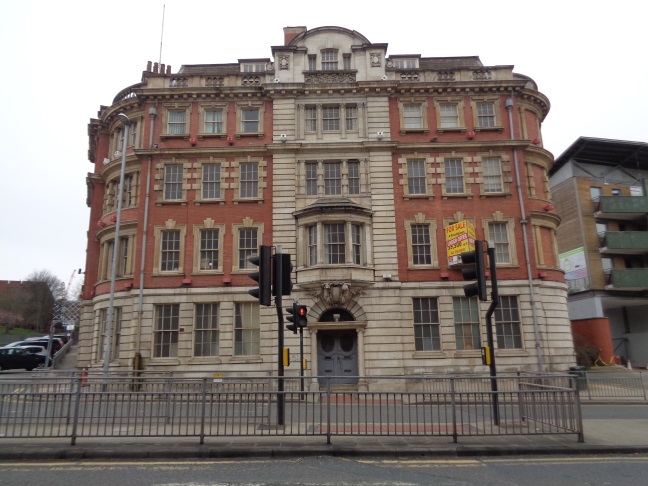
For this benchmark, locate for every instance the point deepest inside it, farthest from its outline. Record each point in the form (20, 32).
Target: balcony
(627, 279)
(624, 243)
(626, 208)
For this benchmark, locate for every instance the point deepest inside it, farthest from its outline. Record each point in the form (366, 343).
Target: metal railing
(612, 385)
(81, 406)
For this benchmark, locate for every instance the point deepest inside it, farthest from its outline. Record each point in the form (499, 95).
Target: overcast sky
(63, 59)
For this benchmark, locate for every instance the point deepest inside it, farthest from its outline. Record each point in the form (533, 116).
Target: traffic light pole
(489, 331)
(280, 336)
(301, 361)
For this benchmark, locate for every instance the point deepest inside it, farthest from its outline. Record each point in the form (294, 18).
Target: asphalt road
(320, 471)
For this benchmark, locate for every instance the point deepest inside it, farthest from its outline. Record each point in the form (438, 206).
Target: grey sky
(62, 60)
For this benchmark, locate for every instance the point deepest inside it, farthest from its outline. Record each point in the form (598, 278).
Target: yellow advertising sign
(460, 237)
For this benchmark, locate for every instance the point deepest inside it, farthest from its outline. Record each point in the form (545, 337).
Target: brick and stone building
(354, 162)
(599, 189)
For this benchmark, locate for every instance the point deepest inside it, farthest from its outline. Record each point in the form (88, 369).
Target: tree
(46, 290)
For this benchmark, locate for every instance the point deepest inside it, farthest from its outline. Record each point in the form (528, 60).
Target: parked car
(63, 337)
(16, 358)
(56, 344)
(34, 348)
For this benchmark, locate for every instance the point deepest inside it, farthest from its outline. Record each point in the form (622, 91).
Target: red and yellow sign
(460, 237)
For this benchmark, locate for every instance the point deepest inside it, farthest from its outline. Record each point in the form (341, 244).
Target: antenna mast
(162, 34)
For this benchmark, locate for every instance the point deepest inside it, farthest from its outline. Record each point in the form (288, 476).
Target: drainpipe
(137, 365)
(524, 223)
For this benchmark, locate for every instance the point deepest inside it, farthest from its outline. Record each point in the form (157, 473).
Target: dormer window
(253, 67)
(329, 60)
(406, 63)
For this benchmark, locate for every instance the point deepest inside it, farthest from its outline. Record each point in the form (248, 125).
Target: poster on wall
(574, 264)
(460, 237)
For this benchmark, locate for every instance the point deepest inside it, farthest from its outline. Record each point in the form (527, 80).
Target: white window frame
(206, 338)
(237, 255)
(247, 331)
(505, 248)
(199, 265)
(159, 232)
(421, 220)
(166, 331)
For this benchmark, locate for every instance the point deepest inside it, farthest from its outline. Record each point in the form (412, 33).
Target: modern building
(599, 188)
(352, 161)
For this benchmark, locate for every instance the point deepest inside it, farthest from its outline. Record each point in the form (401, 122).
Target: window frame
(204, 109)
(421, 220)
(241, 108)
(314, 252)
(219, 184)
(499, 176)
(208, 225)
(166, 337)
(159, 232)
(206, 324)
(508, 318)
(247, 224)
(317, 181)
(422, 104)
(246, 324)
(476, 102)
(467, 323)
(331, 64)
(454, 178)
(509, 225)
(176, 108)
(426, 318)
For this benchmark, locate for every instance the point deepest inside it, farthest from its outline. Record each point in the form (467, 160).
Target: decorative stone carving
(375, 59)
(445, 76)
(284, 62)
(328, 78)
(215, 81)
(481, 75)
(335, 293)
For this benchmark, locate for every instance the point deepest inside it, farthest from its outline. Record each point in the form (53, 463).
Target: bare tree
(55, 284)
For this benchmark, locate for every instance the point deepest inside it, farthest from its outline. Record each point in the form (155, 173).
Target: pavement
(626, 433)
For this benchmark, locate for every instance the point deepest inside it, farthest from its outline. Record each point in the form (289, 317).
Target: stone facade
(353, 162)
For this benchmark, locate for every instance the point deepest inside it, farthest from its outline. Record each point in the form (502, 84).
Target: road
(330, 471)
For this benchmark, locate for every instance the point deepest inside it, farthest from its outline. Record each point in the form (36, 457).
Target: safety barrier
(150, 406)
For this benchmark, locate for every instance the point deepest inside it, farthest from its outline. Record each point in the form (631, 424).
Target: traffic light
(292, 318)
(301, 319)
(263, 276)
(282, 270)
(476, 271)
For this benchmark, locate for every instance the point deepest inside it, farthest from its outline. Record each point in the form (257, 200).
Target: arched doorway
(337, 350)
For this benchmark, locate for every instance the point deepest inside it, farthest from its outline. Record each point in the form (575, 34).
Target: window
(492, 172)
(449, 115)
(416, 177)
(312, 245)
(206, 330)
(412, 114)
(125, 261)
(310, 113)
(485, 115)
(176, 124)
(507, 319)
(329, 60)
(351, 118)
(311, 178)
(170, 251)
(356, 244)
(213, 121)
(466, 319)
(498, 233)
(247, 246)
(421, 245)
(165, 334)
(330, 118)
(454, 178)
(595, 193)
(246, 329)
(132, 134)
(250, 120)
(334, 243)
(346, 58)
(353, 169)
(253, 67)
(312, 62)
(211, 181)
(173, 174)
(427, 335)
(332, 178)
(248, 180)
(127, 196)
(116, 333)
(209, 243)
(405, 63)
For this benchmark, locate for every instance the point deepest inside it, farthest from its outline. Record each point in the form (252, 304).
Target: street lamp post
(115, 256)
